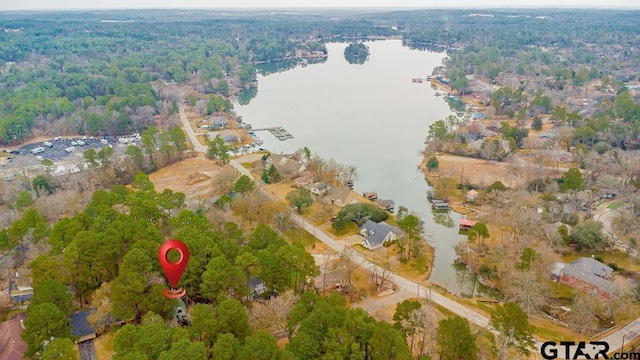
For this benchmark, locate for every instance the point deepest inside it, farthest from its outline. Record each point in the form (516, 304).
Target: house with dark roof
(219, 121)
(590, 276)
(84, 334)
(256, 287)
(11, 345)
(377, 234)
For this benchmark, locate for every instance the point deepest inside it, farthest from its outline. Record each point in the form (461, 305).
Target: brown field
(192, 176)
(483, 173)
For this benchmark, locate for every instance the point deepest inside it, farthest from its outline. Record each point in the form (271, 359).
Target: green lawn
(614, 206)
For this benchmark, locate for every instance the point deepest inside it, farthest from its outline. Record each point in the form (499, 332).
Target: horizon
(307, 5)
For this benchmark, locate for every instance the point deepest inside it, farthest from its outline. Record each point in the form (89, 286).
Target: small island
(356, 53)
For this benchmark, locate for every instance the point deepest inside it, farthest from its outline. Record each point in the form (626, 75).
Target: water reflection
(274, 67)
(443, 218)
(356, 53)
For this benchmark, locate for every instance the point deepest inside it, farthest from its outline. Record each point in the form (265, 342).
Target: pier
(279, 132)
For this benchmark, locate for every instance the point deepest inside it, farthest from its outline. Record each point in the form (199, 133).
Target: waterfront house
(218, 121)
(377, 234)
(337, 195)
(319, 188)
(284, 165)
(590, 276)
(229, 136)
(305, 178)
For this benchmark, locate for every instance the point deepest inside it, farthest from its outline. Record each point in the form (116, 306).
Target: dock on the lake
(279, 132)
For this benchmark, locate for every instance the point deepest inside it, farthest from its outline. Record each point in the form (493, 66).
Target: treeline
(88, 74)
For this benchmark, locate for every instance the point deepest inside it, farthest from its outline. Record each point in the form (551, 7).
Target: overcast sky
(129, 4)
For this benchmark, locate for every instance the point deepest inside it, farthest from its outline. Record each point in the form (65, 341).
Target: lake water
(371, 116)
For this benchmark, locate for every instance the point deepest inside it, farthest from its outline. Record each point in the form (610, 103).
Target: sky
(182, 4)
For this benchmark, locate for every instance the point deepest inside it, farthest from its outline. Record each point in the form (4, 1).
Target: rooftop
(80, 327)
(11, 345)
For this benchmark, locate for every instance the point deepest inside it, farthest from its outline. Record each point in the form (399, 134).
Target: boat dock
(437, 204)
(279, 132)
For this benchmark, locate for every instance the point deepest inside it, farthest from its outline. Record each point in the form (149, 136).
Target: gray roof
(377, 232)
(285, 165)
(591, 271)
(79, 325)
(338, 193)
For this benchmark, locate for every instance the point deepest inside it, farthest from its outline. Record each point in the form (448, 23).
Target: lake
(371, 116)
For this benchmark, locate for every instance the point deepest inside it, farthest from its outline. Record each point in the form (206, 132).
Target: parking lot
(56, 153)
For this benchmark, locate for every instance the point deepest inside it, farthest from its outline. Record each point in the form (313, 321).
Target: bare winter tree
(379, 277)
(275, 312)
(528, 291)
(349, 263)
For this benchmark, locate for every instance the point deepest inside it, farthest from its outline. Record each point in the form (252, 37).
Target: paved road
(192, 136)
(406, 286)
(402, 283)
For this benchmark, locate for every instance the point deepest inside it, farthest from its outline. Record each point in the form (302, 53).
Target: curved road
(615, 340)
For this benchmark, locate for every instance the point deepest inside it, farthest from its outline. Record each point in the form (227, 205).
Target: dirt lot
(484, 173)
(192, 176)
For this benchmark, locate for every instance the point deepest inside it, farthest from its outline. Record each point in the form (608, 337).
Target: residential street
(406, 286)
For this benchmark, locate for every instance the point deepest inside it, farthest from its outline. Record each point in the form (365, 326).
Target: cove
(371, 116)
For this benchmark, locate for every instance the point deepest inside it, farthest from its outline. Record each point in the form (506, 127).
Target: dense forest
(102, 73)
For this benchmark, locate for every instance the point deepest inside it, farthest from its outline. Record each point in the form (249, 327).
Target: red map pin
(174, 270)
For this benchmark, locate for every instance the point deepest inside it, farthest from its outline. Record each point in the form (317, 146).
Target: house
(466, 224)
(377, 234)
(590, 276)
(84, 334)
(471, 196)
(256, 287)
(19, 294)
(229, 136)
(469, 136)
(80, 327)
(11, 345)
(337, 195)
(284, 165)
(319, 188)
(303, 180)
(608, 193)
(219, 122)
